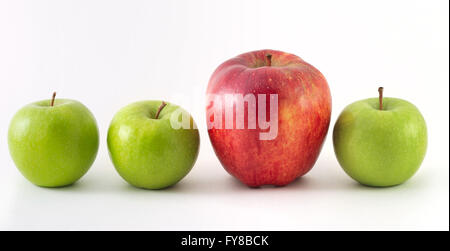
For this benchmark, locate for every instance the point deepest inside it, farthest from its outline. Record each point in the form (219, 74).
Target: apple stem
(269, 58)
(163, 104)
(380, 92)
(53, 99)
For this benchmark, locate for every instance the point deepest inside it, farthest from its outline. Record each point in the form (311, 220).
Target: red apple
(302, 116)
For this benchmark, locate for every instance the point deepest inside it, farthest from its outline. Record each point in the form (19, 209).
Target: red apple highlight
(268, 114)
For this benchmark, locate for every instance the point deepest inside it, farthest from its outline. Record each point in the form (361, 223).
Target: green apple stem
(163, 104)
(380, 92)
(269, 58)
(53, 99)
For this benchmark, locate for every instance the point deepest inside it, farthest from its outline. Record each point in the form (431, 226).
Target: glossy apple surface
(304, 109)
(147, 152)
(53, 146)
(380, 147)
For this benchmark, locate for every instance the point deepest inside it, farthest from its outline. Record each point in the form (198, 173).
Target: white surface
(110, 53)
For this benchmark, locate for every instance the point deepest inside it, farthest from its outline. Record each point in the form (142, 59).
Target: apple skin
(53, 146)
(304, 110)
(148, 153)
(380, 147)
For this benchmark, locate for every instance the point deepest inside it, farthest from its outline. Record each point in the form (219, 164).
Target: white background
(107, 54)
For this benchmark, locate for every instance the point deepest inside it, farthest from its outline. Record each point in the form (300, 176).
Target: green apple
(147, 150)
(53, 142)
(380, 147)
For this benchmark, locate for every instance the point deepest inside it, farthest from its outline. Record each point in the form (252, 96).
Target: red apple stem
(380, 92)
(53, 99)
(269, 58)
(163, 104)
